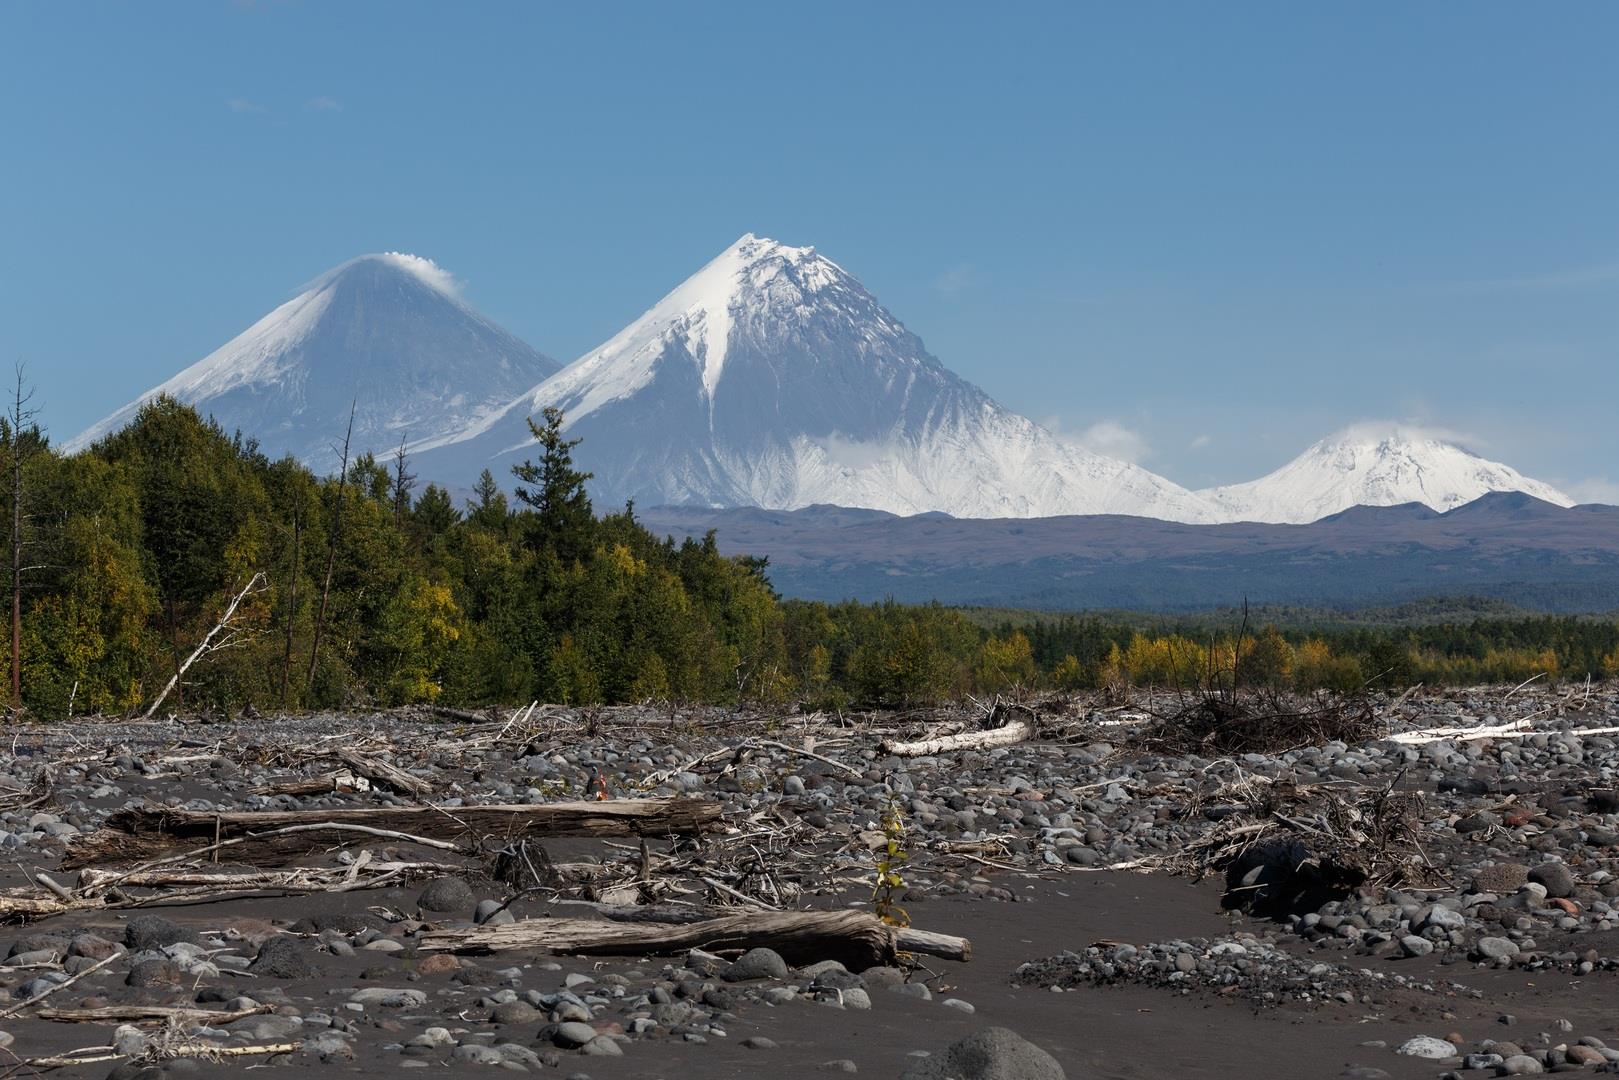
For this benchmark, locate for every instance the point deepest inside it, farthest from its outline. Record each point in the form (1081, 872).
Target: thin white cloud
(1372, 430)
(242, 105)
(954, 281)
(1111, 438)
(428, 271)
(1595, 489)
(324, 104)
(849, 454)
(1201, 442)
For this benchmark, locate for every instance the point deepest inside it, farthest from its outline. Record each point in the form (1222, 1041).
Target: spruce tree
(555, 491)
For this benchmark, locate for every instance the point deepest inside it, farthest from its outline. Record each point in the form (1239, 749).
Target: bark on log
(1015, 732)
(325, 783)
(928, 943)
(150, 832)
(95, 888)
(907, 938)
(313, 879)
(856, 938)
(136, 1014)
(380, 772)
(203, 1050)
(23, 908)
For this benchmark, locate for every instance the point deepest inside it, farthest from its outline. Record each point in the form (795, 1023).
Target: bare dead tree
(333, 535)
(18, 416)
(223, 636)
(404, 483)
(292, 600)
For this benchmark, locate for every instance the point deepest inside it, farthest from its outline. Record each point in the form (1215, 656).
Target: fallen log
(907, 938)
(302, 879)
(20, 908)
(856, 938)
(381, 772)
(1015, 732)
(270, 837)
(325, 783)
(928, 943)
(205, 1051)
(100, 890)
(138, 1014)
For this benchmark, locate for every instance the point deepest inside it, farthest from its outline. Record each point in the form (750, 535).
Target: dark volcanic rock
(447, 894)
(145, 932)
(1556, 877)
(756, 964)
(282, 958)
(52, 943)
(1277, 878)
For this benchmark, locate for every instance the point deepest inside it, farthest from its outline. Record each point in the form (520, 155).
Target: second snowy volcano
(1374, 465)
(384, 332)
(772, 378)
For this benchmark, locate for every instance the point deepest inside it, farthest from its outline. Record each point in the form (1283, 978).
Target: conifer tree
(555, 491)
(487, 509)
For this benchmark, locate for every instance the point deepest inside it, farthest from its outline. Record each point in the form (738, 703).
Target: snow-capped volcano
(772, 378)
(386, 332)
(1373, 465)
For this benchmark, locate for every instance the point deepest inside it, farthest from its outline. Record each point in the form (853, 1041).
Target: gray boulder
(281, 958)
(992, 1054)
(146, 932)
(1555, 877)
(447, 894)
(757, 964)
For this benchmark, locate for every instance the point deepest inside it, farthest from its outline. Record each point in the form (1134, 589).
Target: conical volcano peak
(767, 271)
(771, 377)
(386, 331)
(755, 288)
(751, 247)
(391, 265)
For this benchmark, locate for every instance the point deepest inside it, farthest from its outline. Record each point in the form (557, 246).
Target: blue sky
(1202, 235)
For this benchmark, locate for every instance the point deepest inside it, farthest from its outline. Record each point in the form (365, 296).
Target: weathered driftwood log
(137, 1014)
(381, 772)
(321, 784)
(264, 838)
(102, 889)
(856, 938)
(908, 938)
(928, 943)
(363, 771)
(200, 1049)
(23, 908)
(93, 881)
(1015, 732)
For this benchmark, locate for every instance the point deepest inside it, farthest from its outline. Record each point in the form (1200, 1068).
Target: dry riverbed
(1442, 894)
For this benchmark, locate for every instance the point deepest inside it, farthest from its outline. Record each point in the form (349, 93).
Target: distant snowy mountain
(772, 378)
(1373, 466)
(384, 331)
